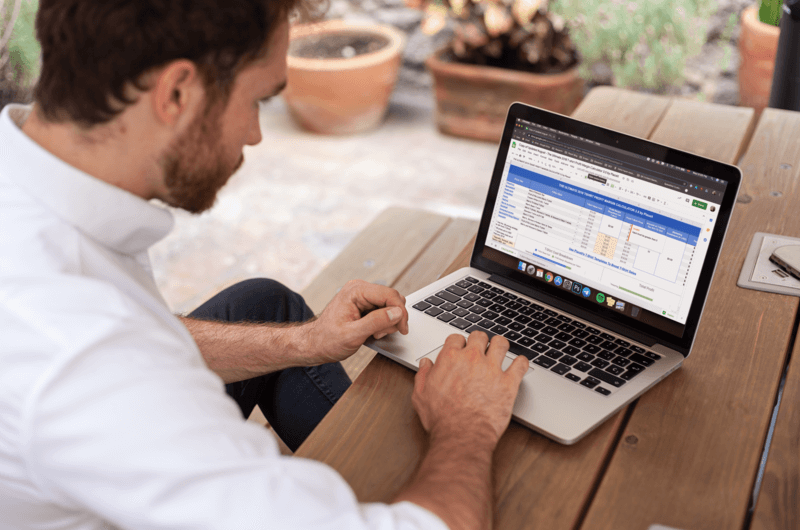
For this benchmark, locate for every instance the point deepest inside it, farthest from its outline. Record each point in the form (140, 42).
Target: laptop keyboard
(566, 347)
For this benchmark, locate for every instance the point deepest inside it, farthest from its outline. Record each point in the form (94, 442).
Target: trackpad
(434, 354)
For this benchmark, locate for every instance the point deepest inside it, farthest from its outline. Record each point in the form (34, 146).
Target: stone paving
(300, 198)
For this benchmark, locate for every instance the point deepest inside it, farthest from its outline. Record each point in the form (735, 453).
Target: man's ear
(177, 91)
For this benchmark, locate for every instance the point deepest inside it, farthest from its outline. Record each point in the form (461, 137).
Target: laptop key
(557, 344)
(446, 317)
(591, 348)
(497, 308)
(497, 290)
(460, 312)
(623, 351)
(516, 326)
(566, 328)
(593, 331)
(568, 360)
(623, 343)
(512, 335)
(564, 318)
(553, 354)
(490, 315)
(450, 297)
(485, 285)
(510, 296)
(543, 361)
(550, 312)
(486, 324)
(608, 336)
(434, 311)
(614, 369)
(553, 321)
(601, 390)
(470, 279)
(433, 300)
(621, 361)
(573, 377)
(628, 375)
(421, 306)
(502, 299)
(472, 297)
(586, 357)
(579, 325)
(590, 382)
(472, 317)
(637, 349)
(606, 377)
(475, 289)
(550, 330)
(527, 310)
(536, 325)
(543, 338)
(560, 369)
(499, 330)
(526, 341)
(528, 332)
(466, 304)
(580, 333)
(636, 368)
(460, 323)
(571, 350)
(641, 359)
(600, 363)
(522, 319)
(509, 313)
(489, 295)
(563, 336)
(514, 305)
(583, 367)
(517, 349)
(539, 347)
(608, 345)
(578, 343)
(477, 309)
(464, 284)
(537, 306)
(594, 339)
(447, 306)
(651, 355)
(503, 321)
(606, 355)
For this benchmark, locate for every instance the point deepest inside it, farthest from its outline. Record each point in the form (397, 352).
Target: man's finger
(479, 339)
(425, 366)
(378, 321)
(518, 369)
(497, 348)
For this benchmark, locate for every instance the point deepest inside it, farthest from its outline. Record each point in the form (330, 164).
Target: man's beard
(195, 166)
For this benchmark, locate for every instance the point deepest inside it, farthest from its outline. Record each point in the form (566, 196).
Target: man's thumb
(378, 320)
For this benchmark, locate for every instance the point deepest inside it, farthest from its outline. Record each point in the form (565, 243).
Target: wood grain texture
(717, 131)
(690, 452)
(778, 506)
(378, 254)
(622, 110)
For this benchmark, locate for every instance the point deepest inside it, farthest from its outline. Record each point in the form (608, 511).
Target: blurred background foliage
(644, 43)
(19, 50)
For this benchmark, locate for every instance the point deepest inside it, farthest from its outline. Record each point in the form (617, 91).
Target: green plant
(19, 50)
(514, 34)
(644, 42)
(770, 12)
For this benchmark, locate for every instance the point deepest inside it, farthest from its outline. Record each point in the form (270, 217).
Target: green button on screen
(699, 204)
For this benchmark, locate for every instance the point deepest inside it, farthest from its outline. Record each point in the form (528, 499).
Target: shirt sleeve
(135, 430)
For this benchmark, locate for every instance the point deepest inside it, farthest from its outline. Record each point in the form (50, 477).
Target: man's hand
(467, 387)
(359, 310)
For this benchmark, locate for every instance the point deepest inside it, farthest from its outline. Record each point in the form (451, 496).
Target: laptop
(594, 258)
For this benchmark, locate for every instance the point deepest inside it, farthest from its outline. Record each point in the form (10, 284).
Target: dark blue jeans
(294, 400)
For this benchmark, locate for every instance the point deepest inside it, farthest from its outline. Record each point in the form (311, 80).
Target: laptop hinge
(577, 311)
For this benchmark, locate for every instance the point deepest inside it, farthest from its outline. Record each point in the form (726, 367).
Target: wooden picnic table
(684, 455)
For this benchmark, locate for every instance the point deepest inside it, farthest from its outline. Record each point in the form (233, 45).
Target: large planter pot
(758, 44)
(341, 95)
(472, 101)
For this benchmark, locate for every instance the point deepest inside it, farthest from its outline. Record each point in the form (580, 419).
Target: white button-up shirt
(109, 416)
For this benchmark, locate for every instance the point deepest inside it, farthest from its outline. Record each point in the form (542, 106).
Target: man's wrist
(480, 434)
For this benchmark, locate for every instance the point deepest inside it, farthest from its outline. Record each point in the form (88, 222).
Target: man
(112, 410)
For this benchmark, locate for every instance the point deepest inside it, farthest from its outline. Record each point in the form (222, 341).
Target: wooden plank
(717, 131)
(373, 438)
(778, 507)
(690, 452)
(379, 254)
(625, 111)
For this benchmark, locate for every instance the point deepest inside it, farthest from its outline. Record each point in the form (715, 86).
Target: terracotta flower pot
(341, 95)
(472, 101)
(758, 44)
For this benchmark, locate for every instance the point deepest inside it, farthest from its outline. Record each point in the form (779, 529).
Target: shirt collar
(110, 215)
